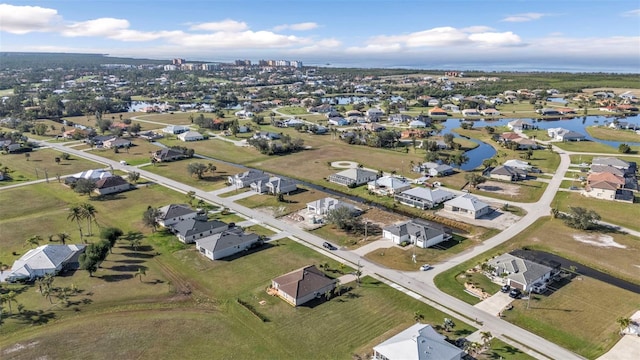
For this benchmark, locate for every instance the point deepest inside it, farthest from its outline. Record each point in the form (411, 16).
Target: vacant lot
(606, 133)
(618, 213)
(591, 147)
(293, 202)
(41, 163)
(177, 170)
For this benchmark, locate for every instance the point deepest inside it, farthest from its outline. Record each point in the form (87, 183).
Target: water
(346, 100)
(557, 100)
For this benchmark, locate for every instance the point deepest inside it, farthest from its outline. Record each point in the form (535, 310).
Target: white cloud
(103, 27)
(496, 39)
(26, 19)
(227, 25)
(319, 47)
(477, 29)
(632, 13)
(305, 26)
(523, 17)
(239, 40)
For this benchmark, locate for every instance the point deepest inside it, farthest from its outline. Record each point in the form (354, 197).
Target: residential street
(420, 283)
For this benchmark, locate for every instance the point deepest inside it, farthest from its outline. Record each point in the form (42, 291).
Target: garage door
(515, 284)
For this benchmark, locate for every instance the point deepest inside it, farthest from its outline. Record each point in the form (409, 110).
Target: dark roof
(302, 282)
(192, 226)
(175, 210)
(110, 181)
(226, 239)
(168, 153)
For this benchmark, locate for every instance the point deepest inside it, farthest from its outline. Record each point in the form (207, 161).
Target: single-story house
(189, 230)
(490, 112)
(615, 162)
(388, 185)
(98, 140)
(190, 136)
(302, 285)
(508, 173)
(524, 144)
(174, 213)
(338, 121)
(245, 179)
(399, 118)
(519, 125)
(150, 135)
(227, 243)
(267, 135)
(112, 185)
(560, 134)
(93, 175)
(374, 114)
(418, 342)
(423, 198)
(43, 260)
(324, 205)
(470, 112)
(435, 169)
(522, 274)
(416, 231)
(608, 191)
(417, 124)
(353, 177)
(467, 205)
(116, 143)
(518, 164)
(275, 185)
(244, 114)
(175, 129)
(436, 111)
(508, 136)
(548, 112)
(167, 154)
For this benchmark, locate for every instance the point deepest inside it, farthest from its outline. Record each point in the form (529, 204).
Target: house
(116, 143)
(111, 185)
(608, 191)
(416, 124)
(227, 243)
(418, 342)
(374, 114)
(399, 118)
(518, 164)
(353, 177)
(99, 140)
(524, 143)
(628, 166)
(324, 205)
(435, 169)
(519, 125)
(243, 114)
(189, 230)
(416, 231)
(245, 179)
(43, 260)
(275, 185)
(174, 213)
(523, 274)
(560, 134)
(423, 198)
(338, 121)
(451, 107)
(175, 129)
(470, 112)
(266, 135)
(150, 135)
(168, 154)
(436, 111)
(508, 136)
(467, 205)
(373, 127)
(302, 285)
(190, 136)
(388, 185)
(490, 111)
(508, 173)
(548, 112)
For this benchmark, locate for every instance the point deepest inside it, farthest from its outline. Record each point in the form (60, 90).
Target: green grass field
(606, 133)
(618, 213)
(592, 147)
(177, 170)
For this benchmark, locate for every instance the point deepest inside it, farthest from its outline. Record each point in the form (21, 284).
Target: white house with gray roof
(418, 342)
(188, 231)
(521, 273)
(388, 185)
(560, 134)
(175, 213)
(245, 179)
(353, 177)
(226, 243)
(418, 232)
(467, 205)
(423, 198)
(43, 260)
(324, 205)
(275, 185)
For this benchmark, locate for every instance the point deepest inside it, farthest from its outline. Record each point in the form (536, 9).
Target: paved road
(416, 283)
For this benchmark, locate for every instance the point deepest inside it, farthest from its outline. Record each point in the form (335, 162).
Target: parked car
(505, 288)
(515, 293)
(425, 267)
(329, 246)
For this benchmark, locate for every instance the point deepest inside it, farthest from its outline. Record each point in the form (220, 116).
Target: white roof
(45, 257)
(95, 174)
(390, 182)
(418, 342)
(468, 202)
(435, 196)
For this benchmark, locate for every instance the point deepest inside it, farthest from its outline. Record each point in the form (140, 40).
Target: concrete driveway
(628, 348)
(495, 304)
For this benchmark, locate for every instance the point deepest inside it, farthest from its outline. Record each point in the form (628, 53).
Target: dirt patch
(19, 347)
(605, 241)
(500, 187)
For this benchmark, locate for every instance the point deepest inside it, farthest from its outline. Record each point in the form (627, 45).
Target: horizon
(466, 35)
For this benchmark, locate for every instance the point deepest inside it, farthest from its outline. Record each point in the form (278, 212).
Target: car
(515, 293)
(329, 246)
(505, 288)
(425, 267)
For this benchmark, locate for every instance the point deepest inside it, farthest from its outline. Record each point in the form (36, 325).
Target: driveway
(628, 348)
(495, 304)
(375, 245)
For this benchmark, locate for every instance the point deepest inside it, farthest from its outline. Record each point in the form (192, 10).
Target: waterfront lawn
(606, 133)
(41, 162)
(619, 213)
(579, 159)
(591, 147)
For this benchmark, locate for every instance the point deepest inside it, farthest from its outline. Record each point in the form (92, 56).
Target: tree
(344, 218)
(134, 238)
(33, 241)
(191, 195)
(197, 169)
(581, 218)
(140, 273)
(149, 218)
(211, 168)
(448, 324)
(89, 213)
(84, 186)
(75, 214)
(111, 234)
(458, 159)
(27, 156)
(486, 337)
(487, 163)
(88, 263)
(135, 128)
(448, 139)
(417, 316)
(63, 237)
(474, 179)
(57, 160)
(8, 298)
(624, 148)
(623, 323)
(134, 176)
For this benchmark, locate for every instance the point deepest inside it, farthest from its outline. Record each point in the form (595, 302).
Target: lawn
(41, 163)
(606, 133)
(139, 153)
(619, 213)
(579, 159)
(293, 202)
(177, 170)
(591, 147)
(574, 327)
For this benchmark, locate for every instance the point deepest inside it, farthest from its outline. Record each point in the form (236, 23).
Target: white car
(425, 267)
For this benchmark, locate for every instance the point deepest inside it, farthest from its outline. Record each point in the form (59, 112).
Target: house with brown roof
(608, 186)
(111, 185)
(302, 285)
(436, 111)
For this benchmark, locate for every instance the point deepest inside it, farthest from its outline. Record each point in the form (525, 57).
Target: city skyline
(560, 35)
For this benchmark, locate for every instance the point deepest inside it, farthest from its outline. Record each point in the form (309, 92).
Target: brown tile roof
(509, 136)
(605, 176)
(302, 282)
(603, 185)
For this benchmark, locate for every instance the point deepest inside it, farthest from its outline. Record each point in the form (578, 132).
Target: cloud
(305, 26)
(523, 17)
(26, 19)
(104, 27)
(477, 29)
(496, 39)
(227, 25)
(238, 40)
(319, 47)
(632, 13)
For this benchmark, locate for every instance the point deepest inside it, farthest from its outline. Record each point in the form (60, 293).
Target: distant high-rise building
(170, 67)
(243, 62)
(178, 61)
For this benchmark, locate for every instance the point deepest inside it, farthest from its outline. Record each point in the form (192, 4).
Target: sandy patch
(598, 240)
(500, 187)
(18, 347)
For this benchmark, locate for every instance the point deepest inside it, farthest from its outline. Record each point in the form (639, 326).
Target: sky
(521, 35)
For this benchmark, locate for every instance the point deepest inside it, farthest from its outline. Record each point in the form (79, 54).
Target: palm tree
(141, 272)
(33, 241)
(9, 298)
(89, 212)
(417, 316)
(63, 237)
(448, 324)
(76, 214)
(624, 323)
(486, 337)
